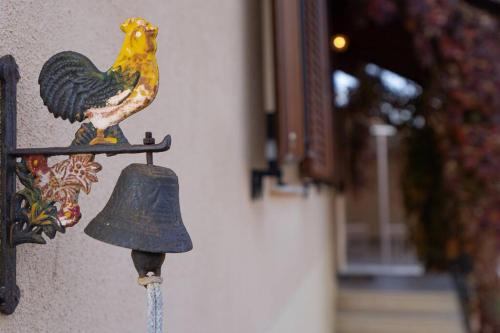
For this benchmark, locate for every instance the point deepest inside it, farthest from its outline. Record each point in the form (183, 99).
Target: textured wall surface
(263, 266)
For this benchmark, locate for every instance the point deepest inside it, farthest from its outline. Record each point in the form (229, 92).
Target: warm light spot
(339, 43)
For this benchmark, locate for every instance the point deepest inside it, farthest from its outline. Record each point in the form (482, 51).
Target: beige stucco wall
(264, 266)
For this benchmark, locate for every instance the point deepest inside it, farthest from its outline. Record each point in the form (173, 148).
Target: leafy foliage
(33, 216)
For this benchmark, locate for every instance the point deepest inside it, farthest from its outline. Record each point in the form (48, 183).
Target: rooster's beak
(152, 30)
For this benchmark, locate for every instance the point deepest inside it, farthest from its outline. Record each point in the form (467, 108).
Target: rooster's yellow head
(140, 36)
(138, 52)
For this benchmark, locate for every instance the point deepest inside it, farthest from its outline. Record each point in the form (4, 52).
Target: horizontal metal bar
(164, 145)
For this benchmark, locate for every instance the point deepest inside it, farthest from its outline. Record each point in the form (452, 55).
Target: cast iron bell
(143, 214)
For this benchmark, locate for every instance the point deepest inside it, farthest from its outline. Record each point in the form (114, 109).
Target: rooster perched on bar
(73, 88)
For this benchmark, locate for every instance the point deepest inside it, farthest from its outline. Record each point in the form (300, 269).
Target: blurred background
(414, 133)
(416, 92)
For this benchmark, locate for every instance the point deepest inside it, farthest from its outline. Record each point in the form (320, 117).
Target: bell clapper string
(155, 302)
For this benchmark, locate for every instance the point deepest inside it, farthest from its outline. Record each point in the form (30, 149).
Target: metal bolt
(149, 140)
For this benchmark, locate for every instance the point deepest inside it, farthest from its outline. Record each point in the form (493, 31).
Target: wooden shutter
(303, 86)
(318, 163)
(289, 79)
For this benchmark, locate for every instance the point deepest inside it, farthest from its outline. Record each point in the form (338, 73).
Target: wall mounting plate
(9, 75)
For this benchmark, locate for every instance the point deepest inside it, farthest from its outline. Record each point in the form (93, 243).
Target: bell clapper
(147, 262)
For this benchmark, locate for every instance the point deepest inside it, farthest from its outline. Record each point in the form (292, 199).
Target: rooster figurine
(73, 88)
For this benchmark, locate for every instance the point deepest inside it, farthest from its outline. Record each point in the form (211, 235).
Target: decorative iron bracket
(12, 231)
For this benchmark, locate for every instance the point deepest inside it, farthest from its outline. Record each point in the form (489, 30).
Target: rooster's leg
(100, 139)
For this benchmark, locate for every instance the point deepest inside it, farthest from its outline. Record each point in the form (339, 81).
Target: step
(383, 322)
(398, 301)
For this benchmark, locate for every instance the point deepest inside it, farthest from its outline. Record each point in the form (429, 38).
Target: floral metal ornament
(61, 183)
(49, 201)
